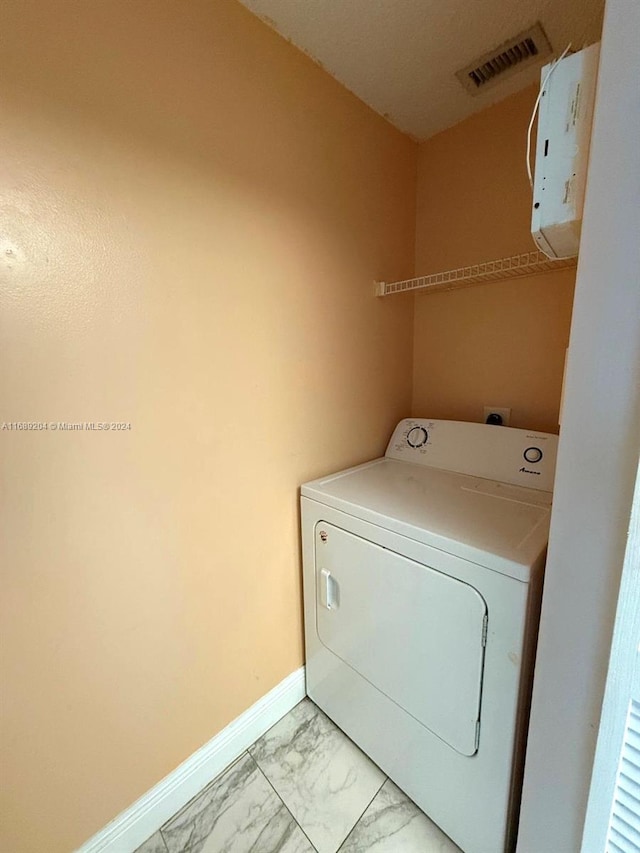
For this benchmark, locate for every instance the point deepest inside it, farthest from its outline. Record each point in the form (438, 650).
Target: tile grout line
(344, 840)
(360, 816)
(221, 774)
(197, 796)
(277, 722)
(286, 808)
(247, 753)
(164, 843)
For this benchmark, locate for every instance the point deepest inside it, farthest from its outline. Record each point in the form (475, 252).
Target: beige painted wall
(193, 214)
(497, 344)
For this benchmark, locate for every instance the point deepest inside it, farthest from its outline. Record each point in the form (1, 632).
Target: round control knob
(417, 436)
(533, 454)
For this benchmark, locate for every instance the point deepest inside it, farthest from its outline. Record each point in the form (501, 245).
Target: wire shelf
(516, 266)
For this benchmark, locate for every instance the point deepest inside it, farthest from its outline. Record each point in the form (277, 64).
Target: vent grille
(624, 824)
(520, 52)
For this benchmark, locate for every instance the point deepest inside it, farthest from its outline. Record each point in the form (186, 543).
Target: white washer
(422, 582)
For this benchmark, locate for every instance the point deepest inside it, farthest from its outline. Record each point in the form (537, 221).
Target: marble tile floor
(303, 787)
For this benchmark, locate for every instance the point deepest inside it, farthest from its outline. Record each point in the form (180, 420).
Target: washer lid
(500, 526)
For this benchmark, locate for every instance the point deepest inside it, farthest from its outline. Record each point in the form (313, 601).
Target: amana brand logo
(529, 471)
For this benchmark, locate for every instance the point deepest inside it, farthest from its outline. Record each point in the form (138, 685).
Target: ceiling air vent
(527, 48)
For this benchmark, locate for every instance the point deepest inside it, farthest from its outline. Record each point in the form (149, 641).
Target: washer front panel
(414, 633)
(472, 798)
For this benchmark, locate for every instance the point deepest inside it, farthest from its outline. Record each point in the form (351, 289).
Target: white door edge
(622, 692)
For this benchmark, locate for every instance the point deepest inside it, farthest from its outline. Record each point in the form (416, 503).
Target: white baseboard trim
(134, 825)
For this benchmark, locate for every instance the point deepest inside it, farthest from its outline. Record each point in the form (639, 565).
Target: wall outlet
(504, 413)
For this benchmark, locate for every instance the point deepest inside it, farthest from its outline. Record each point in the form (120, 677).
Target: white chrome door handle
(328, 590)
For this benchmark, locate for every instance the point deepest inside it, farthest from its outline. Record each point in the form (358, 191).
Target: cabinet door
(415, 633)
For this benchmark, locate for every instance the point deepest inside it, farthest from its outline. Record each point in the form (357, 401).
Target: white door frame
(597, 458)
(623, 685)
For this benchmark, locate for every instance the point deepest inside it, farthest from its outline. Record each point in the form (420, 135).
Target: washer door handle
(328, 590)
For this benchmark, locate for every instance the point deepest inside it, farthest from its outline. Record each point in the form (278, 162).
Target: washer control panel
(518, 456)
(533, 455)
(417, 436)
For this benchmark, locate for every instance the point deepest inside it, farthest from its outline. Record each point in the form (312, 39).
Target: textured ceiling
(400, 56)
